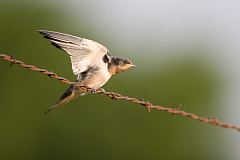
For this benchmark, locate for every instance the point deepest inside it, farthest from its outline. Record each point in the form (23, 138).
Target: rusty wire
(116, 96)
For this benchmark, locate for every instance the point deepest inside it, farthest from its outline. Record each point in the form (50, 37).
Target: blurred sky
(155, 32)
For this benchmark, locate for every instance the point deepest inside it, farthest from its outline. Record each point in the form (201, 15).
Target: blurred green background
(186, 53)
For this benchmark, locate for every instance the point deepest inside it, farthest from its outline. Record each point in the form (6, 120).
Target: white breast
(99, 78)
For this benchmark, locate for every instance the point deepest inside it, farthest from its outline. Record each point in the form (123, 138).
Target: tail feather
(71, 93)
(51, 108)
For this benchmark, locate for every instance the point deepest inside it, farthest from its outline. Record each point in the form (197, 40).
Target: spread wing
(83, 52)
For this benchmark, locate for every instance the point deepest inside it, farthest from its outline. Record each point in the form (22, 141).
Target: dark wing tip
(56, 45)
(45, 33)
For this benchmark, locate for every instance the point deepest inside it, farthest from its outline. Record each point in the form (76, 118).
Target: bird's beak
(132, 65)
(126, 67)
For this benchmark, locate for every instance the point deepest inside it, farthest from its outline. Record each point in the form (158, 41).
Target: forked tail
(71, 93)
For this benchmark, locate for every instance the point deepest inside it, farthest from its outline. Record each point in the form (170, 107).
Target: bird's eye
(125, 61)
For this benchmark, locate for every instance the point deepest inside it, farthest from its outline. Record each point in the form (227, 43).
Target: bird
(91, 63)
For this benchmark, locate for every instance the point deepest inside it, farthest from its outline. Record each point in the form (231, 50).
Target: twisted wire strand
(116, 96)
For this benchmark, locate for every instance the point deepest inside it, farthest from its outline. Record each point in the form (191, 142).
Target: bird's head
(122, 64)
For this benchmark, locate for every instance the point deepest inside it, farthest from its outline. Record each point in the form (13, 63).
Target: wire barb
(116, 96)
(13, 61)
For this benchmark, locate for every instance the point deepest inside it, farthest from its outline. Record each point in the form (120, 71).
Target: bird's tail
(71, 93)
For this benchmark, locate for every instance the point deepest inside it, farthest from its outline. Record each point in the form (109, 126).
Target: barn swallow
(91, 63)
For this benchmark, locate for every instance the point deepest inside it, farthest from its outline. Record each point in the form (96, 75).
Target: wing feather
(83, 52)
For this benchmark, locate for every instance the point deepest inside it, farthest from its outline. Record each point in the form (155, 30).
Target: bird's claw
(93, 90)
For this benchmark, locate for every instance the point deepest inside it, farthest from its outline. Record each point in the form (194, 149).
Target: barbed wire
(116, 96)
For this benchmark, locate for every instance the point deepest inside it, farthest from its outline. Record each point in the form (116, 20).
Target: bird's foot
(93, 90)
